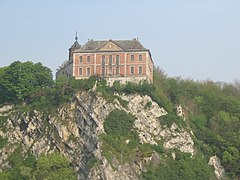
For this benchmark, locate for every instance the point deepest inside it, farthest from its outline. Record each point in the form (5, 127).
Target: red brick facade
(112, 59)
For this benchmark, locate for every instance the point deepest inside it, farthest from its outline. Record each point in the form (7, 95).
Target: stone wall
(65, 70)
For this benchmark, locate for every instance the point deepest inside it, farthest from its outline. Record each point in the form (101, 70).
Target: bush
(184, 167)
(118, 122)
(53, 166)
(171, 118)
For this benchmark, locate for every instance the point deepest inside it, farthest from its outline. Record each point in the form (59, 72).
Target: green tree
(118, 122)
(19, 79)
(231, 160)
(53, 166)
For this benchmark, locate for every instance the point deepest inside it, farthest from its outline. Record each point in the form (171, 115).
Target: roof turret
(75, 46)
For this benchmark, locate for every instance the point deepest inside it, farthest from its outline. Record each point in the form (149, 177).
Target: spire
(76, 37)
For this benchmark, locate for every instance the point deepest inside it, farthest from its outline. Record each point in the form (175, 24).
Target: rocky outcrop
(75, 129)
(147, 122)
(180, 112)
(174, 137)
(218, 169)
(149, 128)
(5, 110)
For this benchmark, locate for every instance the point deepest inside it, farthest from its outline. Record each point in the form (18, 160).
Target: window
(103, 60)
(132, 57)
(110, 71)
(88, 71)
(117, 60)
(103, 71)
(132, 70)
(117, 70)
(80, 59)
(80, 72)
(88, 59)
(140, 57)
(140, 70)
(110, 60)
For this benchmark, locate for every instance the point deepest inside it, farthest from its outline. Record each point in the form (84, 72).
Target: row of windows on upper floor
(111, 58)
(132, 71)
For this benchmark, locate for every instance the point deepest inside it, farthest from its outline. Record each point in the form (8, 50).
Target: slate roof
(126, 45)
(75, 45)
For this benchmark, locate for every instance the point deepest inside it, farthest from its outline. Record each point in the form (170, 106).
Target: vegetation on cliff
(51, 166)
(19, 80)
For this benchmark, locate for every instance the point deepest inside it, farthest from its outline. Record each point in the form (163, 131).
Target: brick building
(123, 60)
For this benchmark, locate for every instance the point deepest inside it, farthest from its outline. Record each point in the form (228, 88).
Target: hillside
(172, 129)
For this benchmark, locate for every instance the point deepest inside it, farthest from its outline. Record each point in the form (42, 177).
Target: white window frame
(110, 60)
(132, 59)
(117, 70)
(88, 68)
(117, 60)
(132, 73)
(80, 70)
(88, 59)
(139, 70)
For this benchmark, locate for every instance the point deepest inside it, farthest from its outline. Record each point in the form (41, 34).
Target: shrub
(118, 122)
(171, 118)
(53, 166)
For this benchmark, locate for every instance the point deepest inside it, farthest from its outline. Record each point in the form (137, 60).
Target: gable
(110, 46)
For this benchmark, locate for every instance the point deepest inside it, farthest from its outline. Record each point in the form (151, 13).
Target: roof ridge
(125, 45)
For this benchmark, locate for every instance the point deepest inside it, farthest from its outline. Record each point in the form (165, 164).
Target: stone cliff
(74, 132)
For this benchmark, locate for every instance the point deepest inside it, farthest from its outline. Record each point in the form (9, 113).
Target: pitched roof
(75, 45)
(126, 45)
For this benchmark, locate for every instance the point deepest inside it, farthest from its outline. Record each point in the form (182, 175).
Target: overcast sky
(197, 39)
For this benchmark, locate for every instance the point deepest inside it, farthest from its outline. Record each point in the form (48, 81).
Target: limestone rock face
(4, 111)
(74, 132)
(178, 138)
(218, 169)
(147, 122)
(149, 128)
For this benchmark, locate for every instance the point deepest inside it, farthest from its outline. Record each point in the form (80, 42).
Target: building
(123, 60)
